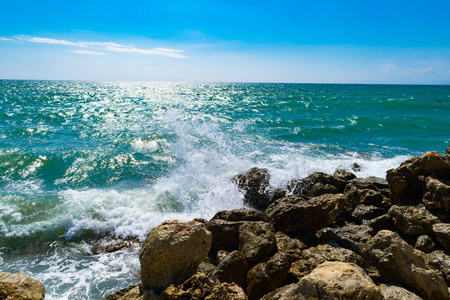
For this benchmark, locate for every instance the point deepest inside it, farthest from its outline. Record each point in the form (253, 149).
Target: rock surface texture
(20, 287)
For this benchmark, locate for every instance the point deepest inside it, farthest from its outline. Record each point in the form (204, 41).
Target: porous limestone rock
(225, 235)
(256, 240)
(242, 214)
(395, 292)
(289, 245)
(367, 212)
(350, 236)
(442, 231)
(232, 268)
(20, 286)
(339, 280)
(413, 220)
(437, 195)
(172, 252)
(287, 292)
(255, 185)
(425, 244)
(439, 261)
(304, 185)
(344, 175)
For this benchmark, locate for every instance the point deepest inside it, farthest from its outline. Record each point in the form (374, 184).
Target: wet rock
(344, 175)
(172, 253)
(266, 277)
(21, 287)
(299, 214)
(289, 245)
(356, 167)
(304, 185)
(116, 247)
(256, 241)
(399, 263)
(225, 235)
(319, 188)
(406, 181)
(395, 292)
(363, 211)
(314, 256)
(339, 280)
(255, 185)
(287, 292)
(232, 268)
(381, 222)
(350, 236)
(201, 287)
(425, 244)
(439, 261)
(241, 215)
(413, 220)
(442, 231)
(437, 195)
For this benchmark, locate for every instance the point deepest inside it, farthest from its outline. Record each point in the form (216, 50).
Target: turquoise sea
(84, 164)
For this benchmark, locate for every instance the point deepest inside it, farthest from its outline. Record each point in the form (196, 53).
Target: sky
(318, 41)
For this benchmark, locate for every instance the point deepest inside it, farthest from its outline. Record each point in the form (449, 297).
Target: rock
(116, 247)
(395, 292)
(289, 245)
(361, 184)
(358, 196)
(406, 180)
(298, 214)
(256, 241)
(319, 188)
(287, 292)
(206, 268)
(437, 195)
(225, 235)
(241, 215)
(266, 277)
(172, 253)
(399, 263)
(425, 244)
(339, 280)
(221, 254)
(132, 292)
(314, 256)
(255, 185)
(344, 175)
(304, 185)
(20, 287)
(413, 220)
(381, 222)
(363, 211)
(356, 167)
(350, 236)
(439, 261)
(201, 287)
(232, 268)
(442, 231)
(379, 182)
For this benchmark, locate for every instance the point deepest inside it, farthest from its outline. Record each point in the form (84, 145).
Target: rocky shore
(320, 237)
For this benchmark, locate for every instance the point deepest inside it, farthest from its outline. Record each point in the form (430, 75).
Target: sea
(87, 164)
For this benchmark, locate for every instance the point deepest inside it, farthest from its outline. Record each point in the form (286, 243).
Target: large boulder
(299, 214)
(350, 236)
(202, 287)
(442, 231)
(256, 241)
(437, 195)
(395, 292)
(413, 220)
(20, 287)
(266, 277)
(304, 185)
(232, 268)
(399, 263)
(254, 183)
(339, 280)
(344, 175)
(172, 252)
(406, 181)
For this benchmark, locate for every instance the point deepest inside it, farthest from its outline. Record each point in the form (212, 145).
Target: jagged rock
(172, 252)
(406, 180)
(201, 287)
(232, 268)
(133, 292)
(287, 292)
(395, 292)
(399, 263)
(356, 167)
(447, 151)
(425, 244)
(241, 215)
(439, 261)
(298, 214)
(116, 247)
(381, 222)
(256, 241)
(379, 182)
(225, 235)
(221, 254)
(437, 195)
(361, 184)
(320, 188)
(206, 268)
(303, 186)
(344, 175)
(363, 211)
(413, 220)
(314, 256)
(358, 196)
(255, 185)
(289, 245)
(266, 277)
(350, 236)
(442, 231)
(339, 280)
(20, 287)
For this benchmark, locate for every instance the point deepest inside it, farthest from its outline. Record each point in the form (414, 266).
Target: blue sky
(252, 41)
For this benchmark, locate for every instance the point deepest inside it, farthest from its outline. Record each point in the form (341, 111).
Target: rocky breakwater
(321, 237)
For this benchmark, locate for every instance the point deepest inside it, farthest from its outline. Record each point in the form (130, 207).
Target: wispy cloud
(102, 46)
(389, 68)
(420, 71)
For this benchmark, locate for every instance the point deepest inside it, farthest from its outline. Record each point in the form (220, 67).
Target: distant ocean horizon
(88, 163)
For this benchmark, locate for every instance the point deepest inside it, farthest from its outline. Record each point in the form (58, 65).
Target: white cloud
(389, 69)
(5, 39)
(420, 71)
(89, 52)
(103, 46)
